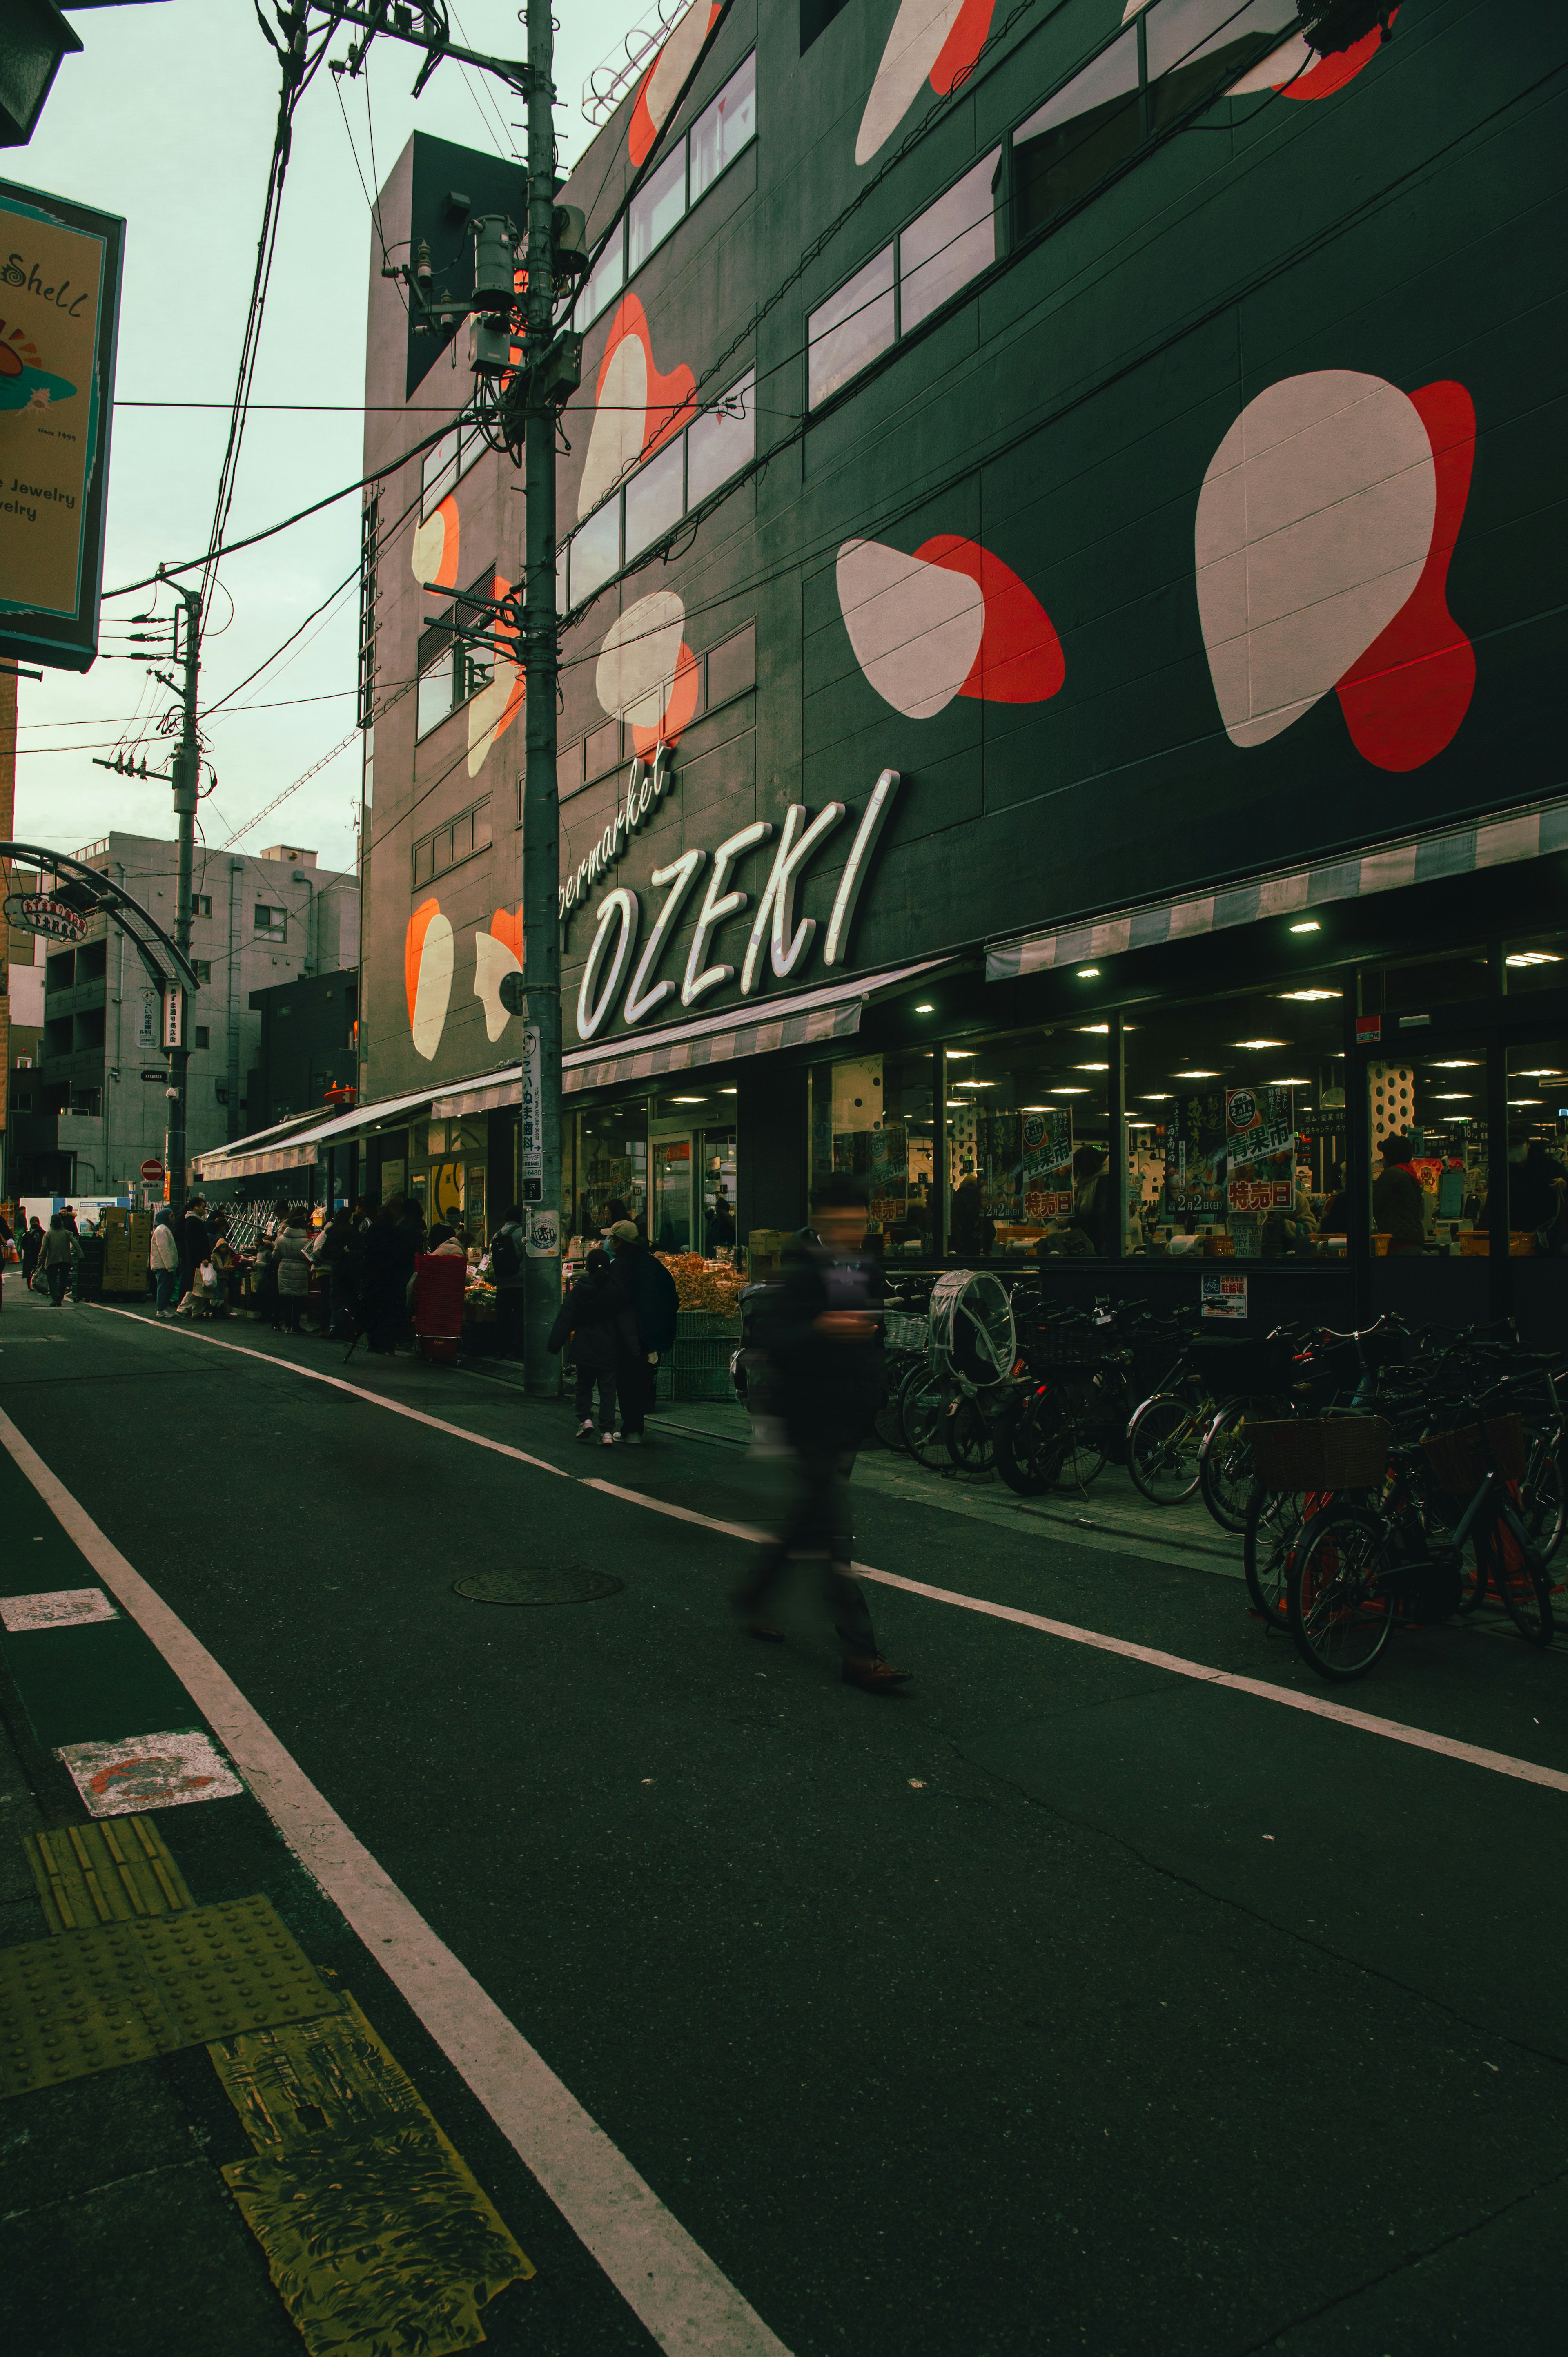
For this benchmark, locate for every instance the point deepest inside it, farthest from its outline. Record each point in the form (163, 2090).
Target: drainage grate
(567, 1583)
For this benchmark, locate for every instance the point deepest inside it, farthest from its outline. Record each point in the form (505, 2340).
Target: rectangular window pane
(439, 472)
(656, 209)
(723, 129)
(1079, 135)
(653, 498)
(481, 826)
(950, 243)
(568, 769)
(718, 446)
(435, 700)
(603, 748)
(1196, 49)
(605, 283)
(850, 327)
(595, 551)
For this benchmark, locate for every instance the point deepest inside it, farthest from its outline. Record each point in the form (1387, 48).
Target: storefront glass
(1016, 1112)
(448, 1174)
(611, 1167)
(872, 1118)
(1537, 1148)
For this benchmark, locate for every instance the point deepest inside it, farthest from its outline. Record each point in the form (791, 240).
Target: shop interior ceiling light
(1542, 1072)
(1034, 1108)
(924, 1008)
(1451, 1097)
(687, 1101)
(1069, 1093)
(1524, 1100)
(1197, 1076)
(974, 1084)
(1260, 1043)
(1091, 1068)
(729, 1092)
(950, 1102)
(1087, 973)
(1155, 1096)
(1289, 1081)
(1311, 926)
(1312, 996)
(954, 1053)
(1455, 1064)
(1532, 957)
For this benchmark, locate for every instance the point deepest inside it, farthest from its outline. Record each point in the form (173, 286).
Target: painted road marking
(147, 1772)
(61, 1607)
(688, 2305)
(1499, 1763)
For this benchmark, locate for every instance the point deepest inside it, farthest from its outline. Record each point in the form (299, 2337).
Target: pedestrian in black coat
(656, 1306)
(32, 1245)
(823, 1340)
(195, 1243)
(389, 1265)
(597, 1316)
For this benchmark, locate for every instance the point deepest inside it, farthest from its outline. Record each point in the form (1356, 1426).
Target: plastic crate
(697, 1367)
(1461, 1459)
(1346, 1452)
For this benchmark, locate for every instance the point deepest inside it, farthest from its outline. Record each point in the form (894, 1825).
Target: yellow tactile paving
(108, 1873)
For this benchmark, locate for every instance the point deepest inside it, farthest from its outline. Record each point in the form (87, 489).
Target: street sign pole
(185, 766)
(540, 815)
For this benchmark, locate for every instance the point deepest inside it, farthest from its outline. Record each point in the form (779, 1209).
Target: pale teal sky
(167, 120)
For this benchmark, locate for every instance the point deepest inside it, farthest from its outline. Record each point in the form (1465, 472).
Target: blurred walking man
(825, 1345)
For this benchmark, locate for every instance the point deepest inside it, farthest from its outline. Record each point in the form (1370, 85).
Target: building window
(714, 446)
(450, 844)
(939, 252)
(451, 671)
(446, 463)
(722, 132)
(732, 666)
(202, 1035)
(203, 969)
(271, 922)
(1178, 55)
(88, 1101)
(202, 904)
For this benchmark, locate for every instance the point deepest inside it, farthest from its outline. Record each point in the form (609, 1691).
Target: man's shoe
(584, 1431)
(873, 1675)
(632, 1439)
(610, 1439)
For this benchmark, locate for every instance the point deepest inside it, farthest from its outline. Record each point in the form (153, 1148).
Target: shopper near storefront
(597, 1320)
(1537, 1194)
(60, 1254)
(1335, 1217)
(163, 1261)
(1399, 1207)
(507, 1251)
(32, 1245)
(194, 1241)
(338, 1252)
(389, 1265)
(291, 1263)
(823, 1344)
(656, 1308)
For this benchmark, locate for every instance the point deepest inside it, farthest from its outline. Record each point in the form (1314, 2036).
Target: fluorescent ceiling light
(1087, 972)
(1542, 1072)
(1293, 1081)
(1196, 1076)
(974, 1084)
(1069, 1093)
(1091, 1068)
(1034, 1108)
(687, 1101)
(924, 1008)
(1312, 996)
(1533, 957)
(1524, 1100)
(950, 1102)
(1101, 1027)
(1260, 1043)
(955, 1053)
(1309, 925)
(729, 1092)
(1455, 1064)
(1155, 1096)
(1451, 1097)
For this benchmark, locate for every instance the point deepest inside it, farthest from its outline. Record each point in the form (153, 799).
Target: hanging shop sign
(1260, 1149)
(59, 298)
(1047, 1172)
(777, 939)
(174, 1018)
(40, 912)
(1195, 1159)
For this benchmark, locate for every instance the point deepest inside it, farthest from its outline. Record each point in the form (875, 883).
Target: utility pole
(541, 814)
(185, 769)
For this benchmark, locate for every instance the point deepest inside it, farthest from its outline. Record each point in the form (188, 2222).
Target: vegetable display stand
(697, 1367)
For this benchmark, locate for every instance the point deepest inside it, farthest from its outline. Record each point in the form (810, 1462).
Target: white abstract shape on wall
(491, 710)
(915, 627)
(638, 658)
(919, 37)
(433, 957)
(493, 961)
(620, 422)
(1313, 527)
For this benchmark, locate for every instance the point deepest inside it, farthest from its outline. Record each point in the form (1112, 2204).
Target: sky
(166, 119)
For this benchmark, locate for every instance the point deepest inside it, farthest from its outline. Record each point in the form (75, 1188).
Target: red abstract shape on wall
(661, 85)
(1330, 74)
(956, 58)
(1020, 660)
(682, 704)
(1404, 698)
(506, 928)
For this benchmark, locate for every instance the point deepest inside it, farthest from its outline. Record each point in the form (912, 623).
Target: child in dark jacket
(597, 1316)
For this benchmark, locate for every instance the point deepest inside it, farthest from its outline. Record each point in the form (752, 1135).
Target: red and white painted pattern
(428, 955)
(433, 554)
(496, 955)
(636, 409)
(660, 86)
(1323, 530)
(60, 1608)
(148, 1772)
(952, 620)
(933, 42)
(646, 673)
(1295, 71)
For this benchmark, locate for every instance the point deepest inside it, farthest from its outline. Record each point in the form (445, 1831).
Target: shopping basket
(1341, 1452)
(1460, 1459)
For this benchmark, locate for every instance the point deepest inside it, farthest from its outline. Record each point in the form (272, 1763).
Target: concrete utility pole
(185, 769)
(540, 1154)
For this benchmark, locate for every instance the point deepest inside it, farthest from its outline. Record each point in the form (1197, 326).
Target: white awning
(827, 1014)
(504, 1089)
(249, 1157)
(1528, 834)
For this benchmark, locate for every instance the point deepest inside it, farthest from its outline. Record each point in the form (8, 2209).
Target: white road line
(688, 2305)
(1499, 1763)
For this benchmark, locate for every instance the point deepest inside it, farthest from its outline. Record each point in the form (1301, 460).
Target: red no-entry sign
(152, 1169)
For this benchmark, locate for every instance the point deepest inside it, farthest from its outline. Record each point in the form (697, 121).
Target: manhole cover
(565, 1585)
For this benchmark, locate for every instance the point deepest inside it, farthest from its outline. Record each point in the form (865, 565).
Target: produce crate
(1460, 1459)
(1344, 1452)
(697, 1368)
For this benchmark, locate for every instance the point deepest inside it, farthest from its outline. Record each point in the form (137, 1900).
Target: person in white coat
(163, 1261)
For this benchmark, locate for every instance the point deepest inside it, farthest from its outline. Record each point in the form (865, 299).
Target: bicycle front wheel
(1163, 1444)
(1338, 1596)
(1029, 1449)
(969, 1437)
(1520, 1577)
(1270, 1539)
(1542, 1502)
(1225, 1461)
(923, 1405)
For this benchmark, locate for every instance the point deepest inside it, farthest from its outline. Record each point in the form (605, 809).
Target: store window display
(872, 1118)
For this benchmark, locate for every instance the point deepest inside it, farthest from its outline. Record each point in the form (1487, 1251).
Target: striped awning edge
(489, 1098)
(255, 1166)
(1423, 859)
(718, 1047)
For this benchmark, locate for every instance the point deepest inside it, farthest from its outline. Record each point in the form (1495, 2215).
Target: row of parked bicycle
(1395, 1476)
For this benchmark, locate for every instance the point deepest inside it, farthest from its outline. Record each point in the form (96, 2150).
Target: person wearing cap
(655, 1305)
(825, 1345)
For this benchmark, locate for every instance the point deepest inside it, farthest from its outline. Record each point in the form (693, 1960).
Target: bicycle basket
(905, 1331)
(972, 1324)
(1460, 1459)
(1346, 1452)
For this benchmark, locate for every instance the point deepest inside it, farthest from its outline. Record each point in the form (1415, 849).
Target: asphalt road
(1061, 2002)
